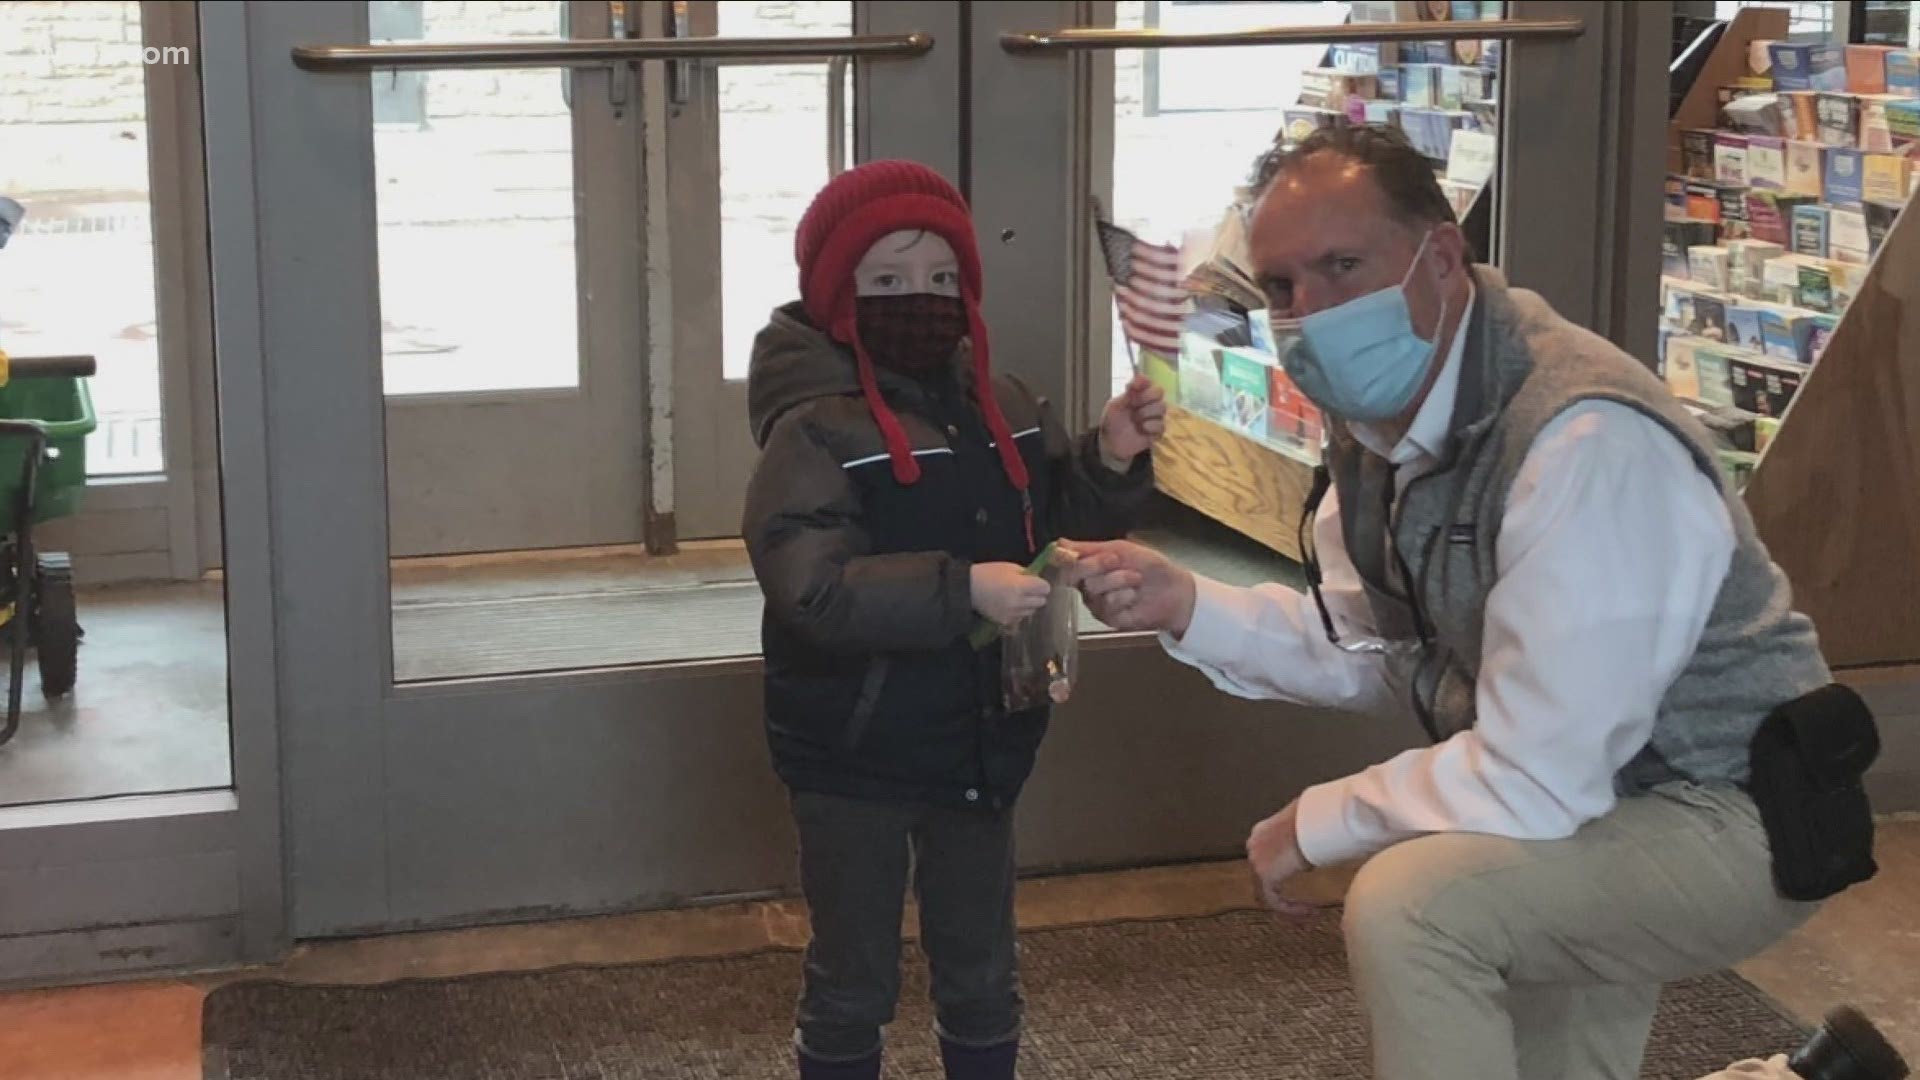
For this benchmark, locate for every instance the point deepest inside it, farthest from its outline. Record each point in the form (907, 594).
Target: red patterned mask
(912, 335)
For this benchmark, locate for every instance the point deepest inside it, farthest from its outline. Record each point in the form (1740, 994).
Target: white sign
(1471, 157)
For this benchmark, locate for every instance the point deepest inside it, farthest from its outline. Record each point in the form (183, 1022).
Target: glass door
(459, 746)
(1155, 114)
(137, 822)
(747, 146)
(509, 287)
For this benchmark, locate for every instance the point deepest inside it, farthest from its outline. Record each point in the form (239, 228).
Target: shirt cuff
(1321, 829)
(1218, 629)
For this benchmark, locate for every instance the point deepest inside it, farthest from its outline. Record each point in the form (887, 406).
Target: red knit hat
(853, 212)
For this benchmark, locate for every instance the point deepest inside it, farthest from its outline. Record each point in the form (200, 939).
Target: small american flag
(1146, 287)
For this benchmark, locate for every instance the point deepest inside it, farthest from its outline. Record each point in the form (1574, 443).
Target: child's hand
(1006, 593)
(1132, 423)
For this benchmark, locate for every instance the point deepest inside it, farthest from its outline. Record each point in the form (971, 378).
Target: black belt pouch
(1808, 760)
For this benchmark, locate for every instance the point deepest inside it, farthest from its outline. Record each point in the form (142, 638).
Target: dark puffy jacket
(872, 688)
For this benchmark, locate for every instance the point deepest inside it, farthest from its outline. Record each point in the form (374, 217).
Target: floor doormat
(1240, 995)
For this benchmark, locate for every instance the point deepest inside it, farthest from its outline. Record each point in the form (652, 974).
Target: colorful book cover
(1714, 364)
(1903, 122)
(1420, 85)
(1683, 375)
(1770, 215)
(1880, 218)
(1804, 117)
(1730, 158)
(1243, 372)
(1804, 66)
(1696, 153)
(1806, 169)
(1846, 177)
(1703, 200)
(1847, 239)
(1709, 266)
(1867, 68)
(1786, 334)
(1884, 177)
(1837, 119)
(1816, 289)
(1903, 73)
(1743, 328)
(1810, 231)
(1767, 162)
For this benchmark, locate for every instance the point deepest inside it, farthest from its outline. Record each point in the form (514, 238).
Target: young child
(900, 492)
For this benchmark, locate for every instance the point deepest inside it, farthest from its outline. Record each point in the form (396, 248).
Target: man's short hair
(1404, 174)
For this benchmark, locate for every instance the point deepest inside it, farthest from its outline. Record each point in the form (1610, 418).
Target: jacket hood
(794, 362)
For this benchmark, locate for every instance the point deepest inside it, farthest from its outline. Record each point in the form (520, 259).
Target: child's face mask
(907, 298)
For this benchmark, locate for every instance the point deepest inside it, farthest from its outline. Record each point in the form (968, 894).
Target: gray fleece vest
(1522, 366)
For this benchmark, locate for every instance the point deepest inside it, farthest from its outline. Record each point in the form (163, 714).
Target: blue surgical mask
(1360, 360)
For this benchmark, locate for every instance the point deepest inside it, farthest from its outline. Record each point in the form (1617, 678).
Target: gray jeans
(855, 861)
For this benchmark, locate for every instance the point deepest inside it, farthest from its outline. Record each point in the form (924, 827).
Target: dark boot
(866, 1068)
(1848, 1047)
(979, 1062)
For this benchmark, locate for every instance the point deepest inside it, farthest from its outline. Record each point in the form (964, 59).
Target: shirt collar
(1426, 437)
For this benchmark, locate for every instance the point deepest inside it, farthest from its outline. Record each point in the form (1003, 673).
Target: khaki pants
(1480, 958)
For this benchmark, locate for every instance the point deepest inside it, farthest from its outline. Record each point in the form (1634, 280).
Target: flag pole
(1133, 354)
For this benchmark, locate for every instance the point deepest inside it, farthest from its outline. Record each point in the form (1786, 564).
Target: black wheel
(56, 626)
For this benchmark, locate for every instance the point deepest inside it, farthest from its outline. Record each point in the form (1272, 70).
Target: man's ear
(1450, 241)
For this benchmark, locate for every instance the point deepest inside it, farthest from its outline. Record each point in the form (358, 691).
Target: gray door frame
(541, 796)
(119, 886)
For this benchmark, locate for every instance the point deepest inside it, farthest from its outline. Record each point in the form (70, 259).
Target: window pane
(476, 198)
(773, 158)
(124, 688)
(77, 276)
(1191, 124)
(1806, 21)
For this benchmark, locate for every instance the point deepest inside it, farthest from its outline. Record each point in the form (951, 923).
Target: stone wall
(487, 93)
(71, 63)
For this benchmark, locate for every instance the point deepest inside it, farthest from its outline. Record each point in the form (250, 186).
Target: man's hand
(1006, 593)
(1132, 423)
(1130, 587)
(1273, 850)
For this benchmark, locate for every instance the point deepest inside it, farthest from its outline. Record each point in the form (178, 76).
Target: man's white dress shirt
(1612, 551)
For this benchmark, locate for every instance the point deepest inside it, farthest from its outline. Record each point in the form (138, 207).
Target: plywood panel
(1837, 496)
(1233, 479)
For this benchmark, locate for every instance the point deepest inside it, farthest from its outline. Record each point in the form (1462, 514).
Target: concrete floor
(150, 712)
(1863, 948)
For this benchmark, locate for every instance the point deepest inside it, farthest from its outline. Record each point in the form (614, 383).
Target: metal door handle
(1094, 39)
(596, 52)
(837, 115)
(566, 33)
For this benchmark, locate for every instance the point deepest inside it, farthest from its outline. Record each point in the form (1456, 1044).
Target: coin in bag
(1040, 657)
